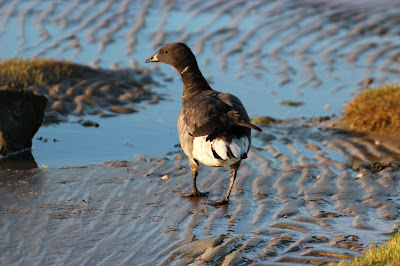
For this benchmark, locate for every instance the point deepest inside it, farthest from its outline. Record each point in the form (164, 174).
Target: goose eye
(166, 51)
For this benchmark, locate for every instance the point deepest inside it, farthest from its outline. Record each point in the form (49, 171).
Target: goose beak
(152, 59)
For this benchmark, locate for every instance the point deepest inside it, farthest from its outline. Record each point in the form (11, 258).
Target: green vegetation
(388, 254)
(21, 73)
(375, 110)
(265, 120)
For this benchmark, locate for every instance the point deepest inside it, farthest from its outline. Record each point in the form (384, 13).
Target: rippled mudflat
(306, 194)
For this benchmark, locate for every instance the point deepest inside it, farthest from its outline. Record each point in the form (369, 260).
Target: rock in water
(21, 115)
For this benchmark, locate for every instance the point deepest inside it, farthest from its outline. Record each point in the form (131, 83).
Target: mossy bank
(387, 254)
(375, 110)
(77, 89)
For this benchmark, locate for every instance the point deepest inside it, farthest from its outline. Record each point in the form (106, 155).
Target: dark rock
(89, 123)
(21, 115)
(21, 161)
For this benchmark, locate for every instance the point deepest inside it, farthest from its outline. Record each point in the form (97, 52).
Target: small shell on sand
(164, 177)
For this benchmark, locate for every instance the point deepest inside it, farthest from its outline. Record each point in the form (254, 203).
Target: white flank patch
(239, 146)
(220, 148)
(202, 151)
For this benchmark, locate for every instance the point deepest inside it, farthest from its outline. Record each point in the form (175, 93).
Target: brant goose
(214, 128)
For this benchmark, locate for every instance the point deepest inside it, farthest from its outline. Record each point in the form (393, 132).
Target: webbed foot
(194, 193)
(219, 203)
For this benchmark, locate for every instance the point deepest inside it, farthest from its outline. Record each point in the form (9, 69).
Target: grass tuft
(21, 73)
(375, 110)
(265, 120)
(388, 254)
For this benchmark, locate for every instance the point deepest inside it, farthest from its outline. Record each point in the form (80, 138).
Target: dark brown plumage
(214, 128)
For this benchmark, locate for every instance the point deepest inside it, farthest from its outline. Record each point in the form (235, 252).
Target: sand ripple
(284, 33)
(313, 206)
(305, 195)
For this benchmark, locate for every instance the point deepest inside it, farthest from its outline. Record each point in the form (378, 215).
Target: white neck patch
(185, 69)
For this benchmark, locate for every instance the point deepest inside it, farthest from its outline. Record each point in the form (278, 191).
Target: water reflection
(21, 161)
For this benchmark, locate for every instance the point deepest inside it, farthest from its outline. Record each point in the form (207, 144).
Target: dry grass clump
(20, 73)
(375, 110)
(388, 254)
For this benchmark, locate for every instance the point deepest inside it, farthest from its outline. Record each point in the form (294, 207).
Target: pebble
(164, 177)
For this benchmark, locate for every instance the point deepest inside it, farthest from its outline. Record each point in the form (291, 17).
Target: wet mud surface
(102, 93)
(314, 52)
(306, 194)
(323, 204)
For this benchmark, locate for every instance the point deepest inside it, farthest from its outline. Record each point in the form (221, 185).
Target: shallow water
(297, 198)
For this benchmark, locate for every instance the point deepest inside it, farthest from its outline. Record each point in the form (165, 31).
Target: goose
(214, 127)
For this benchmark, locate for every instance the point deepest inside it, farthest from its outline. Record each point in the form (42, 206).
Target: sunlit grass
(388, 254)
(375, 110)
(265, 120)
(20, 73)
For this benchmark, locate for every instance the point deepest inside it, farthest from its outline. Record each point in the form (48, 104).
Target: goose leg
(195, 192)
(225, 199)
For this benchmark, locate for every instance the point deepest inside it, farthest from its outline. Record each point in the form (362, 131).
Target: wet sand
(316, 52)
(286, 206)
(282, 47)
(306, 194)
(104, 93)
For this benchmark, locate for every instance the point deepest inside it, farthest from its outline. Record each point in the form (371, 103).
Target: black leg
(225, 199)
(195, 192)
